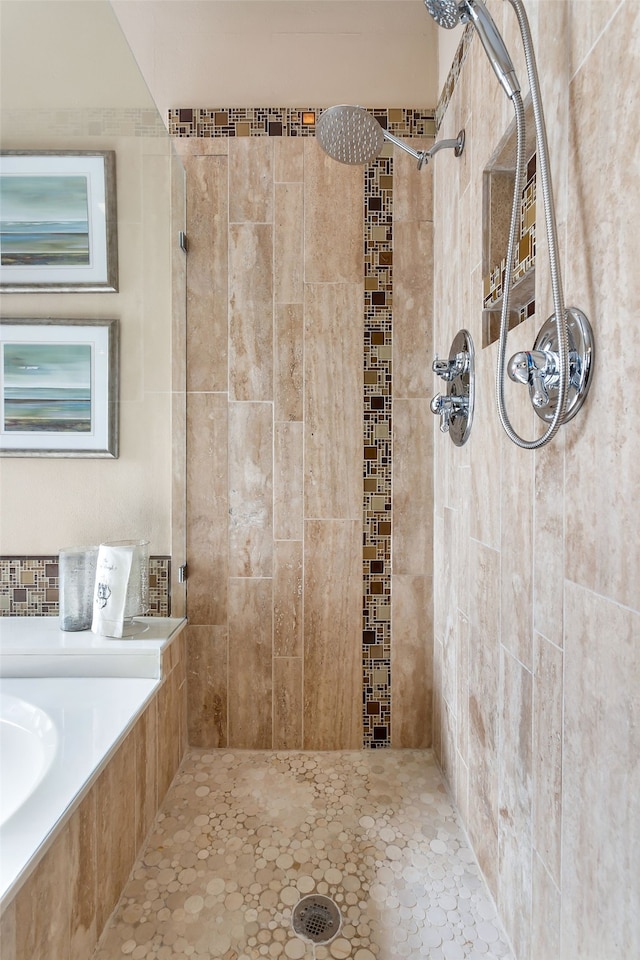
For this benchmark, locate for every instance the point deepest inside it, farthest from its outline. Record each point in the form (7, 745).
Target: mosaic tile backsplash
(29, 586)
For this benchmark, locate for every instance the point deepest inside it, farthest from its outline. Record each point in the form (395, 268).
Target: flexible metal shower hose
(552, 242)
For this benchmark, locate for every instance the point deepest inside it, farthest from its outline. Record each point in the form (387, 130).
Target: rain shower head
(349, 134)
(449, 13)
(352, 135)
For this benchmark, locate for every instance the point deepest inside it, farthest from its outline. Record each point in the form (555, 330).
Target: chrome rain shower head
(349, 134)
(449, 13)
(352, 135)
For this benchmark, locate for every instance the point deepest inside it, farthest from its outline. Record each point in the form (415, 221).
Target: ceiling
(210, 53)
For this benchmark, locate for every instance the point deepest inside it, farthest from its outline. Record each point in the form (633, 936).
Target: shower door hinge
(182, 240)
(182, 573)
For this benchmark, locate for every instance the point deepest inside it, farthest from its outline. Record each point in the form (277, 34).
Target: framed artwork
(59, 388)
(58, 227)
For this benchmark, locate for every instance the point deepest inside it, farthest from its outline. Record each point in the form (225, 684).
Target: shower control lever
(533, 367)
(450, 369)
(447, 407)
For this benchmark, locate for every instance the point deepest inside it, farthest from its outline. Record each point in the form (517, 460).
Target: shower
(558, 369)
(351, 134)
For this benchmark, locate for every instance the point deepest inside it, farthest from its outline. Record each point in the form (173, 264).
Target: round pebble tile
(244, 835)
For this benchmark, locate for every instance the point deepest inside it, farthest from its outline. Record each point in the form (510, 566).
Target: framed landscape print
(59, 388)
(58, 227)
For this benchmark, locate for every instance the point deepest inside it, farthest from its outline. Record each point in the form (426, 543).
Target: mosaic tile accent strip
(94, 122)
(283, 121)
(29, 586)
(378, 346)
(243, 835)
(377, 517)
(454, 73)
(525, 255)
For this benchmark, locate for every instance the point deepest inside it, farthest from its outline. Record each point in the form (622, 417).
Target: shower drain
(316, 918)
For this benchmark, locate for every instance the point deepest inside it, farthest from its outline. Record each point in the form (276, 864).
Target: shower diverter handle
(448, 407)
(450, 369)
(535, 368)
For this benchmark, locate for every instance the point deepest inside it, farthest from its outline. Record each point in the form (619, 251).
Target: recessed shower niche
(497, 202)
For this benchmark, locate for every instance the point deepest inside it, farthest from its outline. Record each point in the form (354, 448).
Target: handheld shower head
(449, 13)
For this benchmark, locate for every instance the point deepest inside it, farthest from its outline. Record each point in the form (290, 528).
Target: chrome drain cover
(316, 918)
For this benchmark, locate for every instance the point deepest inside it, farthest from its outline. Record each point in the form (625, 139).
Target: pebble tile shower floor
(243, 836)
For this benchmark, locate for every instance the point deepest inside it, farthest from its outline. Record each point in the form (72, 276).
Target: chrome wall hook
(538, 368)
(456, 408)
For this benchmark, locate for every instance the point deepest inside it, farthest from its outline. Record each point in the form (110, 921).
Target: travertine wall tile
(411, 662)
(333, 601)
(515, 802)
(288, 449)
(207, 685)
(251, 311)
(288, 362)
(287, 598)
(288, 243)
(82, 893)
(412, 188)
(250, 489)
(601, 775)
(547, 755)
(146, 736)
(287, 703)
(412, 308)
(484, 673)
(207, 273)
(43, 907)
(333, 218)
(207, 507)
(116, 813)
(333, 400)
(288, 160)
(250, 180)
(250, 663)
(412, 470)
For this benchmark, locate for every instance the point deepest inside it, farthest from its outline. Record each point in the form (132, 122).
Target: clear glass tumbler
(76, 580)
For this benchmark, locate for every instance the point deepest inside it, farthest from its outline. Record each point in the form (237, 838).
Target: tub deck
(94, 689)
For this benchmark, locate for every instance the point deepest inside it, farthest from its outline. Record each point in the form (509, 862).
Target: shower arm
(424, 156)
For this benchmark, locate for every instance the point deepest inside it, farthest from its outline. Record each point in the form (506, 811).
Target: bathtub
(57, 732)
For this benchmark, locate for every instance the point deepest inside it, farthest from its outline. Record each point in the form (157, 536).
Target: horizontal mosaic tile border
(29, 586)
(89, 122)
(285, 121)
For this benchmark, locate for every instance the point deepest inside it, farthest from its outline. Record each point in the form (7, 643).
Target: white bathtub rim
(12, 875)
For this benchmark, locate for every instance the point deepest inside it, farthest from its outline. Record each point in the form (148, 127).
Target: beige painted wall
(75, 86)
(537, 590)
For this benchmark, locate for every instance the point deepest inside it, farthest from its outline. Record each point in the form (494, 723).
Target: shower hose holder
(456, 408)
(538, 368)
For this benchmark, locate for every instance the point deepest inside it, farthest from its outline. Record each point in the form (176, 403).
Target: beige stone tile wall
(63, 906)
(289, 366)
(537, 593)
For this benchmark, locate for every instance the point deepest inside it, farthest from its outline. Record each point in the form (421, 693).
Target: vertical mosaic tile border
(29, 586)
(377, 354)
(454, 73)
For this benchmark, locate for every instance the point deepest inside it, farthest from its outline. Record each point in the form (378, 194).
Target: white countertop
(36, 647)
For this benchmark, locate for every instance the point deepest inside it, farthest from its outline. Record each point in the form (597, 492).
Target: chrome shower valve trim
(540, 368)
(456, 408)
